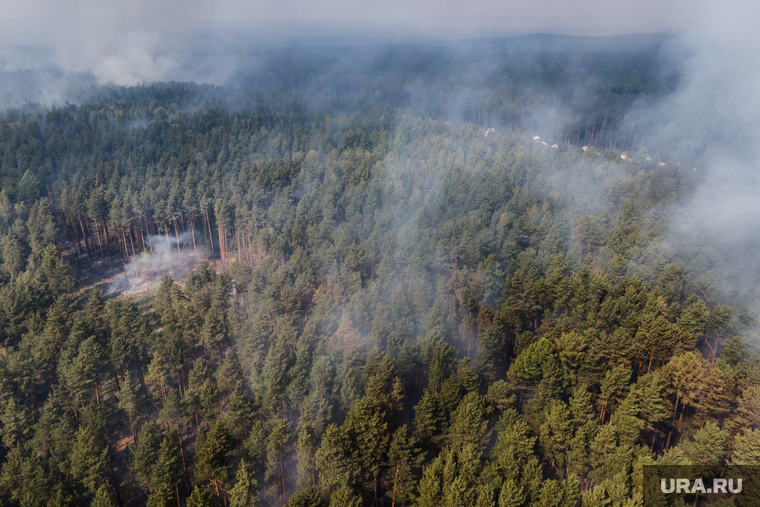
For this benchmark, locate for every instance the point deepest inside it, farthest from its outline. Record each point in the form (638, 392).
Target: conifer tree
(16, 424)
(200, 497)
(707, 446)
(613, 389)
(309, 498)
(209, 401)
(469, 424)
(511, 494)
(345, 497)
(556, 432)
(333, 459)
(131, 403)
(404, 458)
(244, 492)
(145, 453)
(157, 376)
(103, 498)
(278, 438)
(240, 412)
(211, 458)
(88, 455)
(167, 471)
(747, 448)
(229, 373)
(306, 448)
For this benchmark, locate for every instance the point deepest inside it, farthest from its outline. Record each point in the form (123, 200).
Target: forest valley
(383, 308)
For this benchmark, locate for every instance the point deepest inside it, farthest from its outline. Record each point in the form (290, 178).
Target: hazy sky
(132, 41)
(127, 42)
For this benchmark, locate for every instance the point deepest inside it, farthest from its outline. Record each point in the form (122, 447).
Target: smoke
(709, 126)
(129, 43)
(175, 256)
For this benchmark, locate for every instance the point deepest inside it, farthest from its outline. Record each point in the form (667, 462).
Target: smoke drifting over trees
(464, 271)
(168, 256)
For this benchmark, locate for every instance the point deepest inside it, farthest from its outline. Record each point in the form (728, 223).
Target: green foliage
(469, 422)
(529, 365)
(213, 455)
(374, 266)
(309, 498)
(404, 463)
(245, 491)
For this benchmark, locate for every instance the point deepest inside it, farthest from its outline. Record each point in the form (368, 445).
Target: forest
(340, 298)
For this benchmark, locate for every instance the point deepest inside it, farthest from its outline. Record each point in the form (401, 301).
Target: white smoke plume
(172, 255)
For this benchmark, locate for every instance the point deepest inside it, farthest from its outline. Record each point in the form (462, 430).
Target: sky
(128, 42)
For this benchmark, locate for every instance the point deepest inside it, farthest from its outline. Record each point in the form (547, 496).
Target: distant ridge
(546, 42)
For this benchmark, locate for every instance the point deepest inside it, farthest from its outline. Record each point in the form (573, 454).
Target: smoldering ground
(175, 256)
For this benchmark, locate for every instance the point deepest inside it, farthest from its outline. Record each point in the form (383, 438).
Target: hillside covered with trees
(396, 309)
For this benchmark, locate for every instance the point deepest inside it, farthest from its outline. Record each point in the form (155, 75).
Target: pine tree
(145, 453)
(345, 497)
(166, 473)
(367, 431)
(556, 432)
(245, 491)
(83, 375)
(16, 424)
(278, 438)
(571, 494)
(747, 448)
(657, 340)
(581, 408)
(685, 374)
(550, 494)
(306, 448)
(163, 297)
(717, 395)
(173, 409)
(429, 418)
(131, 403)
(603, 445)
(229, 373)
(88, 455)
(162, 496)
(157, 376)
(613, 389)
(531, 479)
(200, 497)
(404, 458)
(469, 423)
(500, 397)
(515, 443)
(212, 456)
(747, 413)
(103, 498)
(333, 459)
(240, 412)
(707, 446)
(309, 498)
(209, 401)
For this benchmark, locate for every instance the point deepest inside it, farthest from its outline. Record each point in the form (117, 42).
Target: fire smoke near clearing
(173, 255)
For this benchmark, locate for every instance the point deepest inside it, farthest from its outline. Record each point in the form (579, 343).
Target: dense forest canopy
(361, 297)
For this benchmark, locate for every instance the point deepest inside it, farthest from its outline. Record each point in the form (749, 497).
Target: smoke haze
(128, 43)
(147, 269)
(710, 123)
